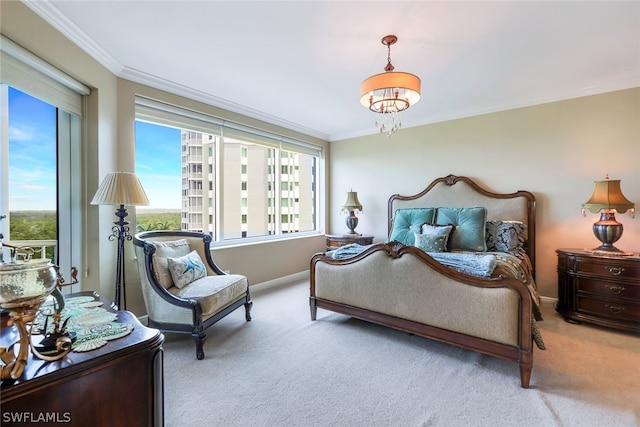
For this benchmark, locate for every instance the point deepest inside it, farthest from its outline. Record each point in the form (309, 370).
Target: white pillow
(437, 229)
(186, 269)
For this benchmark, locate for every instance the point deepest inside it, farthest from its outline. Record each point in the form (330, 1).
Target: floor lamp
(120, 188)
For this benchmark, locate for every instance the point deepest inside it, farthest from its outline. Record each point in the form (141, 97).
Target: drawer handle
(616, 271)
(614, 308)
(615, 289)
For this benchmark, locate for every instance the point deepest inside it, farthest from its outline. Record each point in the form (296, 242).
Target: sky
(32, 153)
(158, 165)
(32, 157)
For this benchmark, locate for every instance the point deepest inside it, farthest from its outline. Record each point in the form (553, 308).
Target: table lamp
(607, 198)
(351, 205)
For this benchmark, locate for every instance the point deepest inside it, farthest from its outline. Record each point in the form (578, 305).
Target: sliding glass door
(36, 216)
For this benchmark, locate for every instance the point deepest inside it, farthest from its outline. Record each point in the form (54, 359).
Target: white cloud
(16, 134)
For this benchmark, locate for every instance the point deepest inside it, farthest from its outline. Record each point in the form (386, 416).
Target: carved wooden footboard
(502, 304)
(402, 287)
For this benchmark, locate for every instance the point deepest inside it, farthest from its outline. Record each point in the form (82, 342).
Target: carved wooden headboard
(461, 192)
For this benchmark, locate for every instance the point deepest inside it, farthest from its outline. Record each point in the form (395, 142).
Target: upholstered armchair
(184, 290)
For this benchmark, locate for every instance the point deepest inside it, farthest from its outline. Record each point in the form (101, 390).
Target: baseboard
(284, 280)
(548, 300)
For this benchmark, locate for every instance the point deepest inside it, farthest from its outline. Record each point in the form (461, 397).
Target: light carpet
(282, 369)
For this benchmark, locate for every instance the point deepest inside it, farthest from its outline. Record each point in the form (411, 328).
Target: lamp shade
(390, 92)
(608, 195)
(352, 203)
(120, 188)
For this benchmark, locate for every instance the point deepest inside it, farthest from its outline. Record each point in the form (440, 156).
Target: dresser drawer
(610, 269)
(608, 288)
(612, 309)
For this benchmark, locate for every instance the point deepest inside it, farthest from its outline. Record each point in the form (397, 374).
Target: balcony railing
(25, 250)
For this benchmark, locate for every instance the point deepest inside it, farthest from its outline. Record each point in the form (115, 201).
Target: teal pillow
(408, 221)
(469, 233)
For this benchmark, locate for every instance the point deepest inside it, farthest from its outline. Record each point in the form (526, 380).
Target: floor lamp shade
(120, 188)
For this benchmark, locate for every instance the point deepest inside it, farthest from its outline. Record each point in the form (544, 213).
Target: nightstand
(599, 289)
(334, 242)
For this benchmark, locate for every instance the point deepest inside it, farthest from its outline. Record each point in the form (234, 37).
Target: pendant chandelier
(389, 93)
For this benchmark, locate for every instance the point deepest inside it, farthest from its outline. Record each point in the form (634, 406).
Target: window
(252, 177)
(40, 158)
(31, 194)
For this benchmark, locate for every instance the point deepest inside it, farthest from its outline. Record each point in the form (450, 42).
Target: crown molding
(206, 98)
(613, 86)
(47, 11)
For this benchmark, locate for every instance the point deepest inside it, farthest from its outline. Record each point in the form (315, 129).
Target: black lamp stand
(121, 233)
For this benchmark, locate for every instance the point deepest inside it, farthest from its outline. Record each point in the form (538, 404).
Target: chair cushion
(214, 292)
(186, 269)
(173, 249)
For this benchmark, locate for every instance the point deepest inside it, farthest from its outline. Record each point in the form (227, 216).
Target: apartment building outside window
(235, 200)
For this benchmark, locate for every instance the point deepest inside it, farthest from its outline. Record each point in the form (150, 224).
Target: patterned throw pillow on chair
(186, 269)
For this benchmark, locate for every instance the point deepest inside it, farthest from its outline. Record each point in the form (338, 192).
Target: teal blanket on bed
(474, 264)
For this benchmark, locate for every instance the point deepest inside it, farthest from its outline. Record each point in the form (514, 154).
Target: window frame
(165, 114)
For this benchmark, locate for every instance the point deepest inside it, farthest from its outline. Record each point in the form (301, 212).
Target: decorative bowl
(26, 284)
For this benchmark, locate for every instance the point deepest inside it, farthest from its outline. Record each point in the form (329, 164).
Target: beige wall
(554, 150)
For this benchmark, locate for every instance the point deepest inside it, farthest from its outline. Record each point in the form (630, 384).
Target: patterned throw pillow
(171, 248)
(438, 230)
(186, 269)
(431, 242)
(506, 236)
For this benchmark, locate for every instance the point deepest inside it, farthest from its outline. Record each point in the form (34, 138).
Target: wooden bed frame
(451, 191)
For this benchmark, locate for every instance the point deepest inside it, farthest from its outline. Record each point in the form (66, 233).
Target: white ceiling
(299, 64)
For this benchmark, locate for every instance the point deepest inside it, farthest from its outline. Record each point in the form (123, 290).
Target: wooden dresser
(602, 290)
(116, 385)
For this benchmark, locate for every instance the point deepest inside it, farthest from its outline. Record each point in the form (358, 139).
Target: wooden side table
(335, 241)
(598, 289)
(116, 385)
